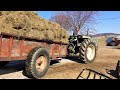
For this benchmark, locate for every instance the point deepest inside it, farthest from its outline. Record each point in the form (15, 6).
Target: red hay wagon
(37, 53)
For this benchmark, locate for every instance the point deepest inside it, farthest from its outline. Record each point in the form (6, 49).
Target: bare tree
(61, 19)
(88, 31)
(75, 20)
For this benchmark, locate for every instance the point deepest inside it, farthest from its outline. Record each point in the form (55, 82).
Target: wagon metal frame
(17, 48)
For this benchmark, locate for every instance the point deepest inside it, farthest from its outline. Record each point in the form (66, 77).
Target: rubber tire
(83, 49)
(31, 61)
(3, 63)
(108, 44)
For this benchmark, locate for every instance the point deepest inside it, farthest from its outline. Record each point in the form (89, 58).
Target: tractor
(83, 46)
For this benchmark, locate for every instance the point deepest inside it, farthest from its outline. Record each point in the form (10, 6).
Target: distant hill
(105, 34)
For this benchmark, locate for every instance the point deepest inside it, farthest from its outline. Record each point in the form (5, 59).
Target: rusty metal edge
(13, 58)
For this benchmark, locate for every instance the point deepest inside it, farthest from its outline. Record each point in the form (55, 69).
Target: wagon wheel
(38, 63)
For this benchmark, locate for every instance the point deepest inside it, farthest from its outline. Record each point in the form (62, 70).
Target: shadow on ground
(116, 72)
(15, 66)
(75, 58)
(112, 73)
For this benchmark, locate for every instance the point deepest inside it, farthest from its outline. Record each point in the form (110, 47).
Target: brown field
(106, 60)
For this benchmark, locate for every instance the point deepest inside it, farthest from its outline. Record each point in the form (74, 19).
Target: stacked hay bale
(29, 24)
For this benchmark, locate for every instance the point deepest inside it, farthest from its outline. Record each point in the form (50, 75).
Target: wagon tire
(38, 63)
(87, 51)
(3, 63)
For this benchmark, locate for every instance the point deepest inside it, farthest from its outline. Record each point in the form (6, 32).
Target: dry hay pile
(29, 24)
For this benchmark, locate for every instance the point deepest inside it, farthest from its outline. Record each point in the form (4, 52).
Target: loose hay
(29, 24)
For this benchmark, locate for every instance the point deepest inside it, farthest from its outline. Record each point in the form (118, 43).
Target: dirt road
(106, 60)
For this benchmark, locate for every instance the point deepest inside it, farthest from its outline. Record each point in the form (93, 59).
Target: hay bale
(49, 35)
(29, 24)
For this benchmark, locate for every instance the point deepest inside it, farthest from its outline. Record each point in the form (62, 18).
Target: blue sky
(106, 21)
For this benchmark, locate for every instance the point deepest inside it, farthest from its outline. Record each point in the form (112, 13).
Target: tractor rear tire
(38, 63)
(87, 51)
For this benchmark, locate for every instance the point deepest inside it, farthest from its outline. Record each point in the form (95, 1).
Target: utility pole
(87, 31)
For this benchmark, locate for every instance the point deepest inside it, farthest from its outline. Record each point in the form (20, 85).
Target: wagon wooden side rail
(36, 52)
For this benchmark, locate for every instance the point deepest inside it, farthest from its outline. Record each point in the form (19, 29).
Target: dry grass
(29, 24)
(101, 41)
